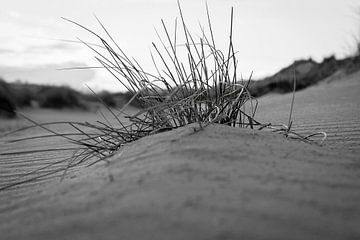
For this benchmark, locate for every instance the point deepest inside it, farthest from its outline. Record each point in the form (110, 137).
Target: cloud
(49, 48)
(50, 74)
(14, 14)
(38, 49)
(6, 51)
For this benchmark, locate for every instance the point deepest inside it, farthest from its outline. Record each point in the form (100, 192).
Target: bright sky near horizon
(269, 34)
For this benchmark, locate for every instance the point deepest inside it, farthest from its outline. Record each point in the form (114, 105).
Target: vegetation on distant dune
(58, 98)
(23, 94)
(7, 104)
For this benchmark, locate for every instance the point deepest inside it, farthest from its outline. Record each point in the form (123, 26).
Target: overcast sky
(269, 34)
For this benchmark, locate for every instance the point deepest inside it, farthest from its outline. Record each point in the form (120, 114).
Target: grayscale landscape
(193, 149)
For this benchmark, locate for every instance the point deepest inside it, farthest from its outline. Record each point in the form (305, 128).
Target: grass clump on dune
(195, 82)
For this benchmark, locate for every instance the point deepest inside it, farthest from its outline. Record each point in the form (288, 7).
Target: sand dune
(214, 183)
(331, 107)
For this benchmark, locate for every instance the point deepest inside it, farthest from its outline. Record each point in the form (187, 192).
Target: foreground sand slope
(217, 183)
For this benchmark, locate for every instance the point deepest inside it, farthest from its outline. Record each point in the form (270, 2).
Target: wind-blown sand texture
(333, 107)
(215, 183)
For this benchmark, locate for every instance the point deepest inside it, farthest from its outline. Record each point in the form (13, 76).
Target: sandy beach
(212, 183)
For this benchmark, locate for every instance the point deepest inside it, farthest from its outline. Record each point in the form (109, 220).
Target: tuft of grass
(203, 87)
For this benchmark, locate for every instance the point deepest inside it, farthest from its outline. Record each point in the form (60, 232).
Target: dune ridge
(214, 183)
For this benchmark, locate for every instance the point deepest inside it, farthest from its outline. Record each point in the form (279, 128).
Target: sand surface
(333, 107)
(214, 183)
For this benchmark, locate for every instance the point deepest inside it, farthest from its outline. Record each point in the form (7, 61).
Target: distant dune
(307, 73)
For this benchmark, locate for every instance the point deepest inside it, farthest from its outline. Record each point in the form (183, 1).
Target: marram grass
(204, 88)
